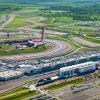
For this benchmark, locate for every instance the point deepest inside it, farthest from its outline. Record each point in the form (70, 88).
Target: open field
(21, 21)
(18, 95)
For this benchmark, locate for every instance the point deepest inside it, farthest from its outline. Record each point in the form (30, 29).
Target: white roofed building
(77, 69)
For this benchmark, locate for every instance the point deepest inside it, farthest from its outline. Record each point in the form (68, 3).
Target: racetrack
(85, 42)
(59, 47)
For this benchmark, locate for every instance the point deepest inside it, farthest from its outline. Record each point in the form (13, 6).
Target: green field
(18, 95)
(63, 84)
(21, 21)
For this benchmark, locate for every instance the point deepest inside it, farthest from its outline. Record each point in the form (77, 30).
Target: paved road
(59, 48)
(85, 42)
(11, 17)
(29, 29)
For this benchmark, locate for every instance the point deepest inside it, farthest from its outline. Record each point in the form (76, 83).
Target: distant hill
(28, 1)
(41, 1)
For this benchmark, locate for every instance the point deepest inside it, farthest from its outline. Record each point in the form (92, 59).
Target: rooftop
(82, 65)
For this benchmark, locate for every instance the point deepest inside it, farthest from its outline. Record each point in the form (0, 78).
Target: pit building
(77, 69)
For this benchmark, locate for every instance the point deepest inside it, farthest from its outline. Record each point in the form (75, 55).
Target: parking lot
(43, 97)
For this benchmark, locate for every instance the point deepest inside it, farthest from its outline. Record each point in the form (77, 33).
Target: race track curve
(59, 47)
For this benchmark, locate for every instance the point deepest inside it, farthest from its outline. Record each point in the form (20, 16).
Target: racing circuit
(59, 47)
(85, 42)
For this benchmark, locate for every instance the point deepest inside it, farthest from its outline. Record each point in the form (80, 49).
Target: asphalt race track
(59, 47)
(86, 42)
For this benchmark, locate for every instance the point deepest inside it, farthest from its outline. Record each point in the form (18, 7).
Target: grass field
(63, 84)
(18, 89)
(19, 21)
(18, 95)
